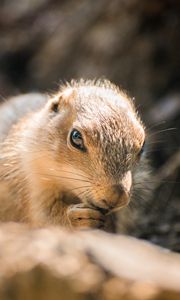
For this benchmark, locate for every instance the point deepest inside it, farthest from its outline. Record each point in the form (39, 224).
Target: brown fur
(42, 175)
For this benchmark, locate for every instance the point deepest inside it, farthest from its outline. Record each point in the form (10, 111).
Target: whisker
(142, 188)
(80, 187)
(151, 151)
(74, 173)
(84, 193)
(141, 200)
(155, 125)
(161, 147)
(58, 176)
(163, 130)
(155, 142)
(44, 154)
(155, 181)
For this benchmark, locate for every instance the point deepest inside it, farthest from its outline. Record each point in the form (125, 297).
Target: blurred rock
(52, 264)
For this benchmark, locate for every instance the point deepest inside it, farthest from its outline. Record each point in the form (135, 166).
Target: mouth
(103, 210)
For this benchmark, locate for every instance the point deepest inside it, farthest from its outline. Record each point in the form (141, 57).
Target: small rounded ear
(54, 104)
(63, 99)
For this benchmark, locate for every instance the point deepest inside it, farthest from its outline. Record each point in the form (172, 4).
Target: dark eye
(77, 140)
(142, 149)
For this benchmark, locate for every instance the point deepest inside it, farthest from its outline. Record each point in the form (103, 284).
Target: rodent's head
(96, 139)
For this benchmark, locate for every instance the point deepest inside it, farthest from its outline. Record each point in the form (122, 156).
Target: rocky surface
(52, 264)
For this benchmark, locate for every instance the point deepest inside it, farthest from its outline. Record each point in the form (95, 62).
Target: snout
(111, 199)
(116, 197)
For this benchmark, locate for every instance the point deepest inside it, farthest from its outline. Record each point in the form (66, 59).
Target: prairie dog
(73, 158)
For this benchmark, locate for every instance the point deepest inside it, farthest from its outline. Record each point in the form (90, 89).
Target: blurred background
(134, 43)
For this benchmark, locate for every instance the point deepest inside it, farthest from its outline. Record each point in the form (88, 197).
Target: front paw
(81, 216)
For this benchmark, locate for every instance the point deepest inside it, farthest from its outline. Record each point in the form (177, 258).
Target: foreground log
(52, 264)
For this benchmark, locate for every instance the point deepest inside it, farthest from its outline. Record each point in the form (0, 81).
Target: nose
(116, 197)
